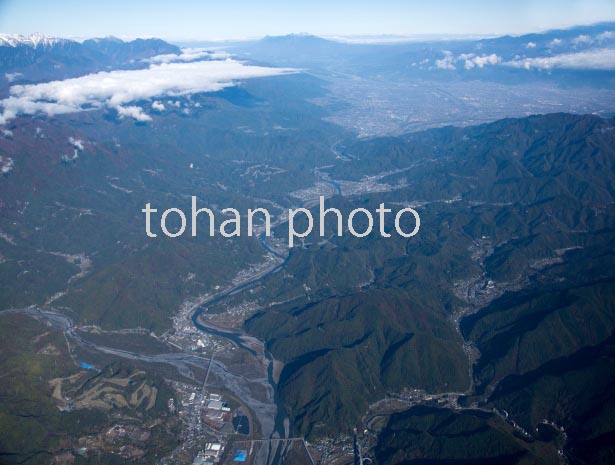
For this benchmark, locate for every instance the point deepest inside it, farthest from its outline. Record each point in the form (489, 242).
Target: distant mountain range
(582, 49)
(458, 55)
(37, 57)
(33, 40)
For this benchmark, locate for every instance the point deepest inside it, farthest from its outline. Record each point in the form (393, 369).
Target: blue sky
(205, 19)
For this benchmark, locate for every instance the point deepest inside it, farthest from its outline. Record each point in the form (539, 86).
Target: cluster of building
(335, 449)
(207, 418)
(254, 269)
(216, 412)
(206, 415)
(199, 441)
(185, 335)
(209, 455)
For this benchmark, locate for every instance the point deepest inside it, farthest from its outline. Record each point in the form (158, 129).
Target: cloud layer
(600, 59)
(189, 54)
(469, 60)
(589, 52)
(116, 89)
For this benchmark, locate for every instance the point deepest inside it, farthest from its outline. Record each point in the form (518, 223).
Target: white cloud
(189, 54)
(469, 60)
(67, 158)
(12, 76)
(77, 143)
(447, 62)
(582, 40)
(556, 42)
(606, 35)
(599, 59)
(492, 59)
(133, 111)
(158, 106)
(530, 45)
(6, 164)
(7, 133)
(115, 89)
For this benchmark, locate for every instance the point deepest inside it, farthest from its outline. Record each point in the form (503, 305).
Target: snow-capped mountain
(36, 57)
(33, 40)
